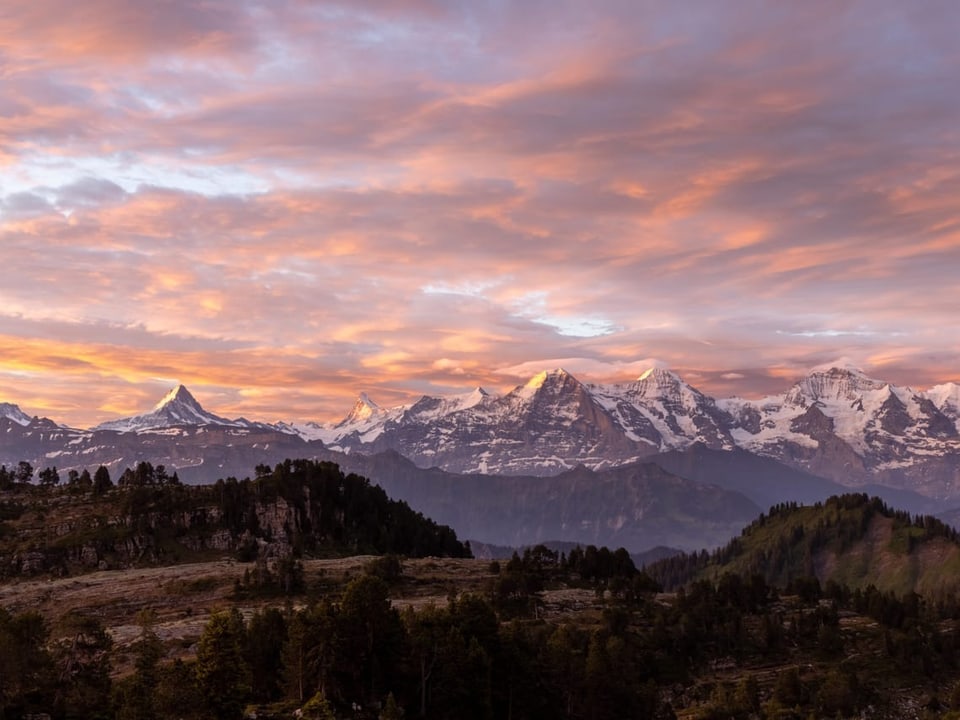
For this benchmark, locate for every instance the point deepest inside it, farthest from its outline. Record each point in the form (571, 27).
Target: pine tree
(368, 637)
(138, 701)
(266, 636)
(26, 667)
(101, 481)
(223, 675)
(24, 472)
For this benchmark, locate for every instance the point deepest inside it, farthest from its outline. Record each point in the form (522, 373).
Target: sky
(283, 203)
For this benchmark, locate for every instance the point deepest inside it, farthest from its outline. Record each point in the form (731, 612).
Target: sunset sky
(282, 203)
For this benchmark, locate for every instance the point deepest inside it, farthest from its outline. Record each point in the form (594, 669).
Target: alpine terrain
(558, 459)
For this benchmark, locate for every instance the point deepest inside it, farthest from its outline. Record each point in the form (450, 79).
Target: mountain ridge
(835, 423)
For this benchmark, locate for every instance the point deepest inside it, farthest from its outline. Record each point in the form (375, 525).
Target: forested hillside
(574, 637)
(812, 612)
(298, 508)
(850, 540)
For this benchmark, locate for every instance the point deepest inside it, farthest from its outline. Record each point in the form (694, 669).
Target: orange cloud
(273, 198)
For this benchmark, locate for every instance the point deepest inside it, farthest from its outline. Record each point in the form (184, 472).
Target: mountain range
(836, 422)
(836, 428)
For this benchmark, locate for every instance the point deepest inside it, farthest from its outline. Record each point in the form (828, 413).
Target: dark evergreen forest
(733, 645)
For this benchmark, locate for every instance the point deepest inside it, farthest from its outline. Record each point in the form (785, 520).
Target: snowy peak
(665, 390)
(428, 409)
(477, 395)
(363, 411)
(840, 417)
(659, 383)
(179, 397)
(367, 420)
(660, 409)
(547, 377)
(177, 408)
(946, 398)
(13, 412)
(832, 385)
(549, 383)
(658, 372)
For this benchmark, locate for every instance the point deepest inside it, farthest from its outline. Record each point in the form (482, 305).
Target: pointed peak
(179, 395)
(540, 379)
(553, 381)
(363, 400)
(659, 379)
(659, 383)
(468, 399)
(363, 409)
(177, 408)
(475, 397)
(658, 372)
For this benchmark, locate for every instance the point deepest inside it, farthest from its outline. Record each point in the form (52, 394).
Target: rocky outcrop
(299, 508)
(95, 541)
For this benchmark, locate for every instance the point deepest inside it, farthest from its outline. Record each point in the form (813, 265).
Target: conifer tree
(101, 481)
(138, 700)
(223, 675)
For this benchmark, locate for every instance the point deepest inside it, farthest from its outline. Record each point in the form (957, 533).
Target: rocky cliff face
(73, 534)
(299, 507)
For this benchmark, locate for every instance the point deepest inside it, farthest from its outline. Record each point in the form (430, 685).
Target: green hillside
(850, 540)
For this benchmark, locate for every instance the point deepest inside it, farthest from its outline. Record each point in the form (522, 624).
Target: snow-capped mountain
(946, 398)
(549, 424)
(662, 410)
(178, 433)
(836, 422)
(13, 412)
(365, 411)
(428, 409)
(177, 408)
(842, 424)
(367, 420)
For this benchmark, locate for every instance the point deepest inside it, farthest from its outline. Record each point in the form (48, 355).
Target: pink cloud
(416, 197)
